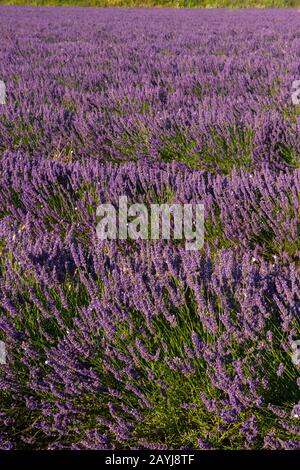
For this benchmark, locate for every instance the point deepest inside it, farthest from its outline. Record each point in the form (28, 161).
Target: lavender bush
(144, 345)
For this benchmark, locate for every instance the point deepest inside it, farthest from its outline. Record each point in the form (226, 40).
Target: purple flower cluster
(145, 345)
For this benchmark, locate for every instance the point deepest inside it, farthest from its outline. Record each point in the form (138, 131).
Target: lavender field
(123, 344)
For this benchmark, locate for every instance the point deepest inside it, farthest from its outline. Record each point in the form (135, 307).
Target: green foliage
(161, 3)
(227, 149)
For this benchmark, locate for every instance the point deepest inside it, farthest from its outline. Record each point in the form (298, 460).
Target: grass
(160, 3)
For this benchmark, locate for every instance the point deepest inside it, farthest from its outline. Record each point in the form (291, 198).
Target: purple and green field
(143, 344)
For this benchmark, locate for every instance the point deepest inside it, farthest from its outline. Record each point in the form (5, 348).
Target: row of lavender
(210, 88)
(250, 211)
(147, 345)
